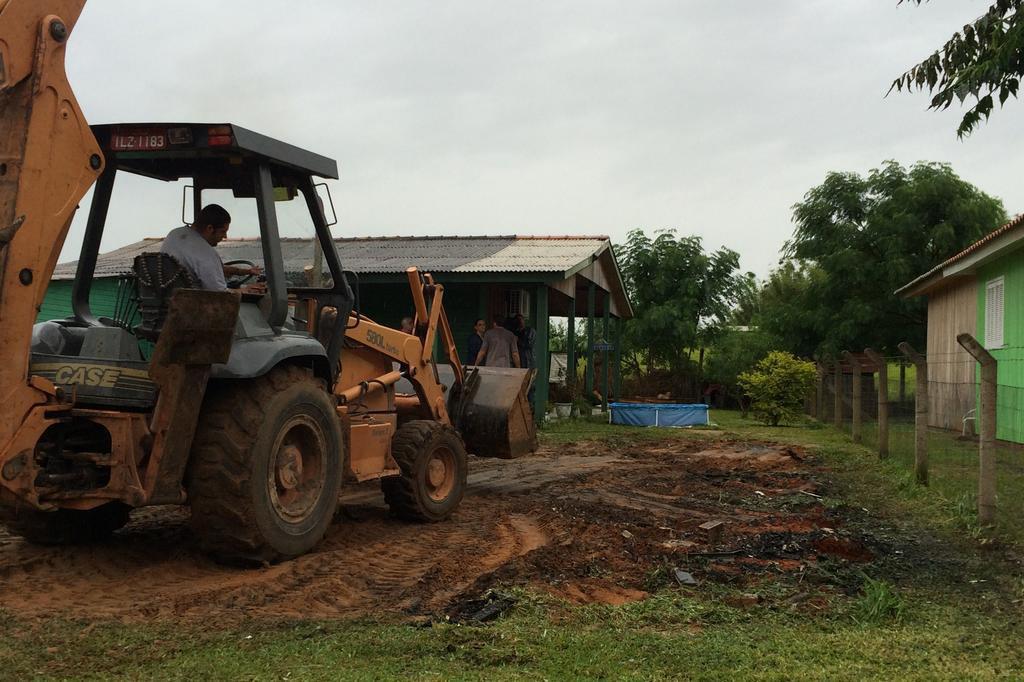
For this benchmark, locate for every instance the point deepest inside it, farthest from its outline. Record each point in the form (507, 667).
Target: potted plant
(562, 398)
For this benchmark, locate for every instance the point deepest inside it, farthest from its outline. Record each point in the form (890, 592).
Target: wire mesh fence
(954, 424)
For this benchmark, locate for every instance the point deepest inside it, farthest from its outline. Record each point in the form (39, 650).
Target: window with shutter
(994, 313)
(517, 302)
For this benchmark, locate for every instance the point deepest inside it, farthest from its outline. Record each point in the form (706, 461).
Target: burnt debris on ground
(585, 522)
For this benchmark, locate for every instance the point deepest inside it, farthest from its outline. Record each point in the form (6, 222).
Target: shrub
(777, 387)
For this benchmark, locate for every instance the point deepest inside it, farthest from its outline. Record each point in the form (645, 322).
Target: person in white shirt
(193, 247)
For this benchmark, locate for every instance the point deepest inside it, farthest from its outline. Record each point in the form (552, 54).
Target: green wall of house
(57, 303)
(388, 303)
(384, 302)
(1010, 358)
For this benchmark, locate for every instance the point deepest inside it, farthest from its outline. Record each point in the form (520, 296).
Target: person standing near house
(475, 341)
(499, 348)
(525, 338)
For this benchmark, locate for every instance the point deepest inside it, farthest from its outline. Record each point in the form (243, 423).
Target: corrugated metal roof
(393, 254)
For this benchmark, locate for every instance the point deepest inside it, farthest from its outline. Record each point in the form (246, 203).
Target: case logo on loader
(98, 376)
(87, 375)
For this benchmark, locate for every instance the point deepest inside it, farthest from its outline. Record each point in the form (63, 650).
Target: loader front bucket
(494, 414)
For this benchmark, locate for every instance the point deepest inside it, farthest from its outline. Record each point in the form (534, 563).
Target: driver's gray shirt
(197, 256)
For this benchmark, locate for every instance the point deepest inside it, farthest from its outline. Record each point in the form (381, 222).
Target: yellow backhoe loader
(250, 407)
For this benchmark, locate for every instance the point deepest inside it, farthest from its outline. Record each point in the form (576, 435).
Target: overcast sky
(589, 117)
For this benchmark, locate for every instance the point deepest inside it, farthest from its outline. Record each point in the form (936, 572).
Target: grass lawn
(946, 603)
(953, 476)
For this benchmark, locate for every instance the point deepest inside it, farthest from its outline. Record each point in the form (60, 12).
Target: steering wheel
(238, 280)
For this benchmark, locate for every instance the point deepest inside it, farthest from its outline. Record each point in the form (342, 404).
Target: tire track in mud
(586, 521)
(377, 564)
(368, 562)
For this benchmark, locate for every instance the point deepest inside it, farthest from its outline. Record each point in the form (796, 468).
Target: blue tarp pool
(658, 414)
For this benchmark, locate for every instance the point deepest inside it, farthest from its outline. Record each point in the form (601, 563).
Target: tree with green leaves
(858, 239)
(982, 62)
(682, 296)
(777, 386)
(789, 305)
(736, 351)
(748, 300)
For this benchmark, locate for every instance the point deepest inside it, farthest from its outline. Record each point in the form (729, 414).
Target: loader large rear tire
(433, 461)
(266, 467)
(65, 526)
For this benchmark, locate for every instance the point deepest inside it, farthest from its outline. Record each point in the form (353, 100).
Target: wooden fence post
(819, 398)
(920, 412)
(837, 385)
(903, 383)
(855, 417)
(883, 401)
(987, 442)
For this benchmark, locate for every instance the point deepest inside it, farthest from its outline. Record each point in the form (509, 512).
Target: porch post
(570, 348)
(540, 355)
(605, 334)
(588, 384)
(617, 363)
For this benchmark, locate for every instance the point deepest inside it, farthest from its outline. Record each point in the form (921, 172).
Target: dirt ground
(585, 522)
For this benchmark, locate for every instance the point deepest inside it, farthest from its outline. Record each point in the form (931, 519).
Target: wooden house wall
(952, 310)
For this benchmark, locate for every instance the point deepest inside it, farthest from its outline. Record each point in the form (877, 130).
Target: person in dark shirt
(475, 341)
(525, 337)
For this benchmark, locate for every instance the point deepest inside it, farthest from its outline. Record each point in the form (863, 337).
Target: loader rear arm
(48, 161)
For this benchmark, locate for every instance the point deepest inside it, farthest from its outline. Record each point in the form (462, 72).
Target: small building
(539, 277)
(978, 291)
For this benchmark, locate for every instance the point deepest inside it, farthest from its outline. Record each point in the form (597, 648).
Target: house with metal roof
(977, 291)
(539, 277)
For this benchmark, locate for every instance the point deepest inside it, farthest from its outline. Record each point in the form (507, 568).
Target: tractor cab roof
(215, 155)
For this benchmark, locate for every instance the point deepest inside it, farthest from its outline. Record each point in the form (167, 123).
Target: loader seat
(159, 275)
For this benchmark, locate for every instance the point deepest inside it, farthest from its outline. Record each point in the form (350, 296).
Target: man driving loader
(252, 422)
(193, 247)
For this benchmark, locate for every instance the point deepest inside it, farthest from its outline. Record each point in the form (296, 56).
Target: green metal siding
(462, 303)
(1010, 358)
(389, 303)
(384, 302)
(57, 302)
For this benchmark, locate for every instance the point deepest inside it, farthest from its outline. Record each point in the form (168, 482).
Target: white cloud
(461, 117)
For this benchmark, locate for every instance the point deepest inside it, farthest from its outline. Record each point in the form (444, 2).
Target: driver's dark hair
(212, 214)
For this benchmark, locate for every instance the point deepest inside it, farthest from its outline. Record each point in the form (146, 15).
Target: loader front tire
(433, 461)
(66, 526)
(266, 467)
